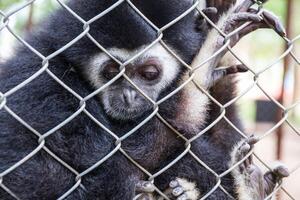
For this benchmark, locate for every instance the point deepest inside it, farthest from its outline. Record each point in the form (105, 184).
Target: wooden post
(282, 92)
(29, 22)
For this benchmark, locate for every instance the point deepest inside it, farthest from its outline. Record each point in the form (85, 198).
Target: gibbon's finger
(210, 11)
(281, 171)
(252, 140)
(215, 3)
(238, 19)
(183, 189)
(244, 6)
(177, 191)
(252, 27)
(241, 153)
(222, 72)
(183, 197)
(174, 184)
(190, 195)
(144, 186)
(223, 5)
(270, 20)
(274, 176)
(236, 69)
(274, 21)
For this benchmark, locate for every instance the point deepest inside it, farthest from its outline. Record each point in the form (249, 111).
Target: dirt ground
(266, 150)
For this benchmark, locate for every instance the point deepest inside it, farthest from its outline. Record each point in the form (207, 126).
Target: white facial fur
(169, 72)
(169, 63)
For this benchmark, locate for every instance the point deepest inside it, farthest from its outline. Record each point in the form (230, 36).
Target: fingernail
(173, 184)
(177, 191)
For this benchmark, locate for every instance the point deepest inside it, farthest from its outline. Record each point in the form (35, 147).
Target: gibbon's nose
(129, 96)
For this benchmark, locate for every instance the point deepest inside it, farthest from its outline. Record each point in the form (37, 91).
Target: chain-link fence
(46, 59)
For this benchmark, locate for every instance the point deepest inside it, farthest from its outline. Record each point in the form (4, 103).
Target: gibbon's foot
(250, 182)
(182, 189)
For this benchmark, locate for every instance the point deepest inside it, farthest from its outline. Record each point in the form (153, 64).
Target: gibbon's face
(152, 72)
(124, 33)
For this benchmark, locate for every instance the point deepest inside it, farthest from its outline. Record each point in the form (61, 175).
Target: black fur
(213, 148)
(43, 104)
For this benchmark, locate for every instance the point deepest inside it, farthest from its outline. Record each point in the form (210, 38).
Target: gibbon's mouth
(125, 112)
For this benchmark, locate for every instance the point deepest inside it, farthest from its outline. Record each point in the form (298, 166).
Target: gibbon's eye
(149, 71)
(111, 70)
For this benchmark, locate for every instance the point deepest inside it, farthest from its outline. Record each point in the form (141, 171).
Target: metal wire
(45, 59)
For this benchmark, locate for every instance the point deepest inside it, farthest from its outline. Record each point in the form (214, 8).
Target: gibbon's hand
(244, 13)
(228, 24)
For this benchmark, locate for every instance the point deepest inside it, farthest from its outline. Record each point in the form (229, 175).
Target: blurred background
(281, 82)
(259, 50)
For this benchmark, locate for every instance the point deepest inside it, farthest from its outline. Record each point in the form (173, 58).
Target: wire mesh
(42, 137)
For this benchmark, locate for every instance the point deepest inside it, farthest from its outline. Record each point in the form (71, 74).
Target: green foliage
(277, 7)
(40, 10)
(4, 4)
